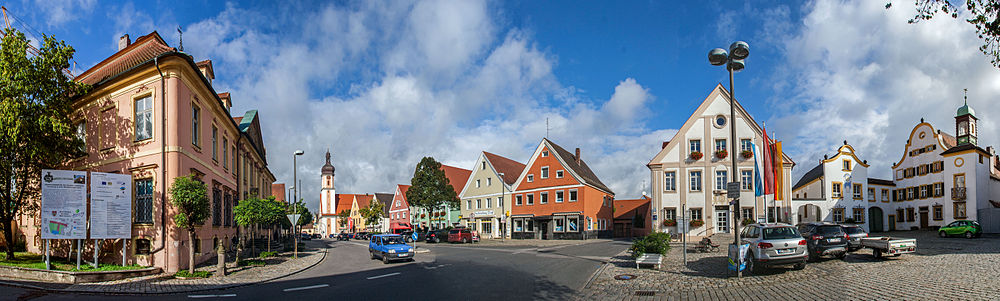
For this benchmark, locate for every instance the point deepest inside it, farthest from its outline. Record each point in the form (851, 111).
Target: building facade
(153, 114)
(557, 196)
(837, 190)
(633, 218)
(447, 216)
(399, 210)
(691, 170)
(486, 198)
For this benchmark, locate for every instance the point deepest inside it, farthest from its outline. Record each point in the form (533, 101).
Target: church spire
(328, 168)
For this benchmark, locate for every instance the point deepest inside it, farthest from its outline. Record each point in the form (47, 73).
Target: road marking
(211, 296)
(380, 276)
(437, 266)
(304, 287)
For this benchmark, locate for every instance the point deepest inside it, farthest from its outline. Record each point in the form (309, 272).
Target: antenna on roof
(966, 90)
(546, 127)
(180, 38)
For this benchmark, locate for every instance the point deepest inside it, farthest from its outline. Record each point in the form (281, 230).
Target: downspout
(163, 162)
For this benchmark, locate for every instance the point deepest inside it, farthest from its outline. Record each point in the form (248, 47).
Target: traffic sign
(294, 218)
(414, 235)
(733, 190)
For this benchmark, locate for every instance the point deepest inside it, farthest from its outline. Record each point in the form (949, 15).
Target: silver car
(773, 245)
(855, 235)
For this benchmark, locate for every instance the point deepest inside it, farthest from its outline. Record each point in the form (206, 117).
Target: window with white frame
(489, 182)
(518, 225)
(572, 195)
(215, 143)
(559, 196)
(531, 178)
(571, 224)
(489, 203)
(746, 145)
(479, 203)
(531, 198)
(669, 181)
(545, 153)
(695, 146)
(871, 194)
(720, 180)
(543, 198)
(720, 145)
(195, 116)
(518, 200)
(670, 213)
(545, 172)
(559, 174)
(695, 180)
(746, 179)
(477, 184)
(695, 213)
(143, 118)
(468, 204)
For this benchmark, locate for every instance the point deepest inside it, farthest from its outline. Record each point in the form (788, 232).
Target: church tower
(965, 124)
(328, 197)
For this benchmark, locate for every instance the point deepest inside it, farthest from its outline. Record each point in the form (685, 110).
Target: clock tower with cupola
(327, 199)
(965, 124)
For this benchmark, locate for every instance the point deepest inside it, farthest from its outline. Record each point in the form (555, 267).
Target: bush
(748, 222)
(252, 262)
(656, 243)
(197, 274)
(268, 254)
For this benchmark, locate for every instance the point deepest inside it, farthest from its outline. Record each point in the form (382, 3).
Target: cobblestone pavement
(942, 269)
(165, 284)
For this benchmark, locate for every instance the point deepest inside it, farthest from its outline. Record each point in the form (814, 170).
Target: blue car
(389, 247)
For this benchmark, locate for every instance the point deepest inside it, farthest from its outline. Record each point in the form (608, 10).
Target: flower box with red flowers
(696, 155)
(696, 223)
(722, 154)
(747, 154)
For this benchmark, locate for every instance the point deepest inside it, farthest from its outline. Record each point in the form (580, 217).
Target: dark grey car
(824, 239)
(854, 234)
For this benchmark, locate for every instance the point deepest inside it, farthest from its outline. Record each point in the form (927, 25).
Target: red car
(463, 235)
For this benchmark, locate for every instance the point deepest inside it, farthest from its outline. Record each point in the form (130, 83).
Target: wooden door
(892, 222)
(923, 219)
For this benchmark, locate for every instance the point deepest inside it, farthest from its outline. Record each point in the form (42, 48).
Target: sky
(384, 83)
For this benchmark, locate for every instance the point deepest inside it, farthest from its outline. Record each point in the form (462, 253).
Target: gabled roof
(807, 178)
(627, 209)
(344, 202)
(456, 177)
(402, 190)
(949, 140)
(144, 49)
(364, 200)
(386, 200)
(880, 182)
(581, 169)
(510, 168)
(964, 147)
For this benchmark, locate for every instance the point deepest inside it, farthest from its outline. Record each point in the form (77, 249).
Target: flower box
(669, 223)
(696, 155)
(696, 223)
(722, 154)
(747, 154)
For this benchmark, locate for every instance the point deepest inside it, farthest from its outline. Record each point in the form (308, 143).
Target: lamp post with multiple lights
(733, 60)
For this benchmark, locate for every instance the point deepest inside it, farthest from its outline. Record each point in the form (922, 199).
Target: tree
(430, 188)
(305, 217)
(190, 198)
(255, 212)
(35, 129)
(373, 213)
(984, 16)
(343, 216)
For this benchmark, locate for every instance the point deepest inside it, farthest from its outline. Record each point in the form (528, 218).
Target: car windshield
(781, 233)
(853, 230)
(454, 232)
(828, 230)
(392, 240)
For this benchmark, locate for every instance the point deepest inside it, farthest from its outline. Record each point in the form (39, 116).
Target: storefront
(556, 226)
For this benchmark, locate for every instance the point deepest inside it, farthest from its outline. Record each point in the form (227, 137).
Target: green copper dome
(965, 110)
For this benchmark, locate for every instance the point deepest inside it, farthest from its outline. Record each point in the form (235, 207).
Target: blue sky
(386, 83)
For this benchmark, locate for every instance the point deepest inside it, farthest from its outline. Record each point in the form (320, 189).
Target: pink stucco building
(154, 114)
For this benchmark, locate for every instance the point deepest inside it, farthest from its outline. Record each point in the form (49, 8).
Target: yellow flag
(778, 171)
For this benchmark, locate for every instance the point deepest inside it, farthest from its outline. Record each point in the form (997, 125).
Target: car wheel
(877, 253)
(968, 234)
(942, 234)
(841, 256)
(464, 241)
(800, 266)
(373, 255)
(385, 259)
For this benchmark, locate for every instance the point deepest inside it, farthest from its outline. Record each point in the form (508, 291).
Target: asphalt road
(446, 272)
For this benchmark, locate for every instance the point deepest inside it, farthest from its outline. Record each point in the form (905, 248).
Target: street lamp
(503, 209)
(295, 205)
(738, 52)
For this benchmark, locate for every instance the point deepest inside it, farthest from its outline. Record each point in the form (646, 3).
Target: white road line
(304, 287)
(211, 296)
(380, 276)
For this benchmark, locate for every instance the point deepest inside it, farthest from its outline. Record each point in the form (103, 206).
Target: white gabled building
(681, 179)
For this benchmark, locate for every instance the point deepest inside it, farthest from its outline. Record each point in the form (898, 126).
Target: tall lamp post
(295, 205)
(738, 52)
(503, 209)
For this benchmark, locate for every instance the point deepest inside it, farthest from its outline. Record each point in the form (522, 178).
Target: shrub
(656, 243)
(268, 254)
(252, 262)
(196, 274)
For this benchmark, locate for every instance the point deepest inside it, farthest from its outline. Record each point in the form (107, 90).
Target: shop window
(571, 223)
(559, 224)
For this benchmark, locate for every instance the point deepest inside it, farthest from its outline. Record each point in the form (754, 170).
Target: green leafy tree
(343, 216)
(373, 213)
(305, 216)
(984, 16)
(255, 212)
(430, 188)
(35, 129)
(190, 197)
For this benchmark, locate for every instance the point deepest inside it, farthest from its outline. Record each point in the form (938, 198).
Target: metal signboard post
(64, 206)
(294, 218)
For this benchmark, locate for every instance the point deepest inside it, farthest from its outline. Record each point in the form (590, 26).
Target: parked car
(389, 247)
(435, 236)
(463, 235)
(408, 235)
(317, 236)
(854, 234)
(774, 245)
(824, 239)
(475, 236)
(965, 228)
(305, 236)
(343, 236)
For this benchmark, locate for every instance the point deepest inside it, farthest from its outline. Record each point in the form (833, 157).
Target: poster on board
(64, 204)
(110, 205)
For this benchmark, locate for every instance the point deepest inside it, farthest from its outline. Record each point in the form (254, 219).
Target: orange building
(633, 217)
(559, 197)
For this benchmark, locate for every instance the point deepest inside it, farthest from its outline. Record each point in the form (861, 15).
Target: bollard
(220, 270)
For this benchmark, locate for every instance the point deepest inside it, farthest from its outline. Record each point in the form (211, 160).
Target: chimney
(123, 42)
(577, 156)
(664, 144)
(227, 101)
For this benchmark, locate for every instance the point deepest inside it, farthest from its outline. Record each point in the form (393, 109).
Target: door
(875, 219)
(722, 221)
(923, 218)
(544, 228)
(892, 222)
(619, 230)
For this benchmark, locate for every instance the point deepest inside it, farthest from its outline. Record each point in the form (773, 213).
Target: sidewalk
(537, 243)
(166, 284)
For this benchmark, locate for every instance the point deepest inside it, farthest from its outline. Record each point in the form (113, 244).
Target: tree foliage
(430, 188)
(373, 213)
(35, 127)
(190, 197)
(343, 216)
(259, 212)
(305, 216)
(983, 13)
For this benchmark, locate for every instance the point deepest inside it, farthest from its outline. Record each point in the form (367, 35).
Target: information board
(64, 204)
(110, 206)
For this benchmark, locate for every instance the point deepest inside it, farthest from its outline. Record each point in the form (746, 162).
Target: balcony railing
(958, 193)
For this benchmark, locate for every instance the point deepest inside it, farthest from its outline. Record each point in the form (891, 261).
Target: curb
(596, 274)
(227, 286)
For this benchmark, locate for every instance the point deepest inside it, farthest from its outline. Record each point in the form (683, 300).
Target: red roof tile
(403, 189)
(456, 177)
(626, 209)
(364, 200)
(344, 202)
(144, 49)
(511, 169)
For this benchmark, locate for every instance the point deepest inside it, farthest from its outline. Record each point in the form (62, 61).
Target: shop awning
(399, 226)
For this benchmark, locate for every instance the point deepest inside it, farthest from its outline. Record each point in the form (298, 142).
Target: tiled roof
(456, 177)
(403, 189)
(238, 119)
(144, 49)
(949, 140)
(813, 174)
(880, 182)
(580, 169)
(963, 147)
(344, 202)
(511, 169)
(626, 209)
(364, 200)
(386, 200)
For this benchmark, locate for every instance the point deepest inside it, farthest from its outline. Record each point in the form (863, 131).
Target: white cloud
(855, 71)
(59, 12)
